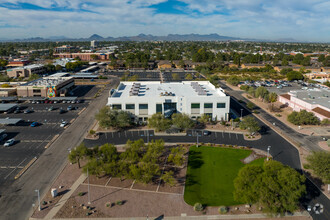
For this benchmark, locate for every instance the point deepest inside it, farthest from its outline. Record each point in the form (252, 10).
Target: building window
(143, 106)
(195, 105)
(208, 105)
(159, 108)
(116, 106)
(36, 90)
(221, 105)
(130, 106)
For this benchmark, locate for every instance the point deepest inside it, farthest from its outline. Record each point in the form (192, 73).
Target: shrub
(303, 118)
(119, 202)
(92, 132)
(198, 207)
(81, 193)
(223, 209)
(278, 115)
(108, 204)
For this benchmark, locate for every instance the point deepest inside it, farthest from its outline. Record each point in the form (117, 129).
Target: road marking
(222, 135)
(236, 136)
(14, 169)
(215, 134)
(112, 134)
(229, 136)
(106, 135)
(125, 134)
(118, 134)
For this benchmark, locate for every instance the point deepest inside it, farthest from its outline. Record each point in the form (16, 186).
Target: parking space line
(222, 135)
(112, 134)
(215, 134)
(14, 169)
(229, 135)
(106, 135)
(236, 136)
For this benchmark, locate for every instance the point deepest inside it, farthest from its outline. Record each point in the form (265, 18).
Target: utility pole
(37, 191)
(268, 149)
(89, 197)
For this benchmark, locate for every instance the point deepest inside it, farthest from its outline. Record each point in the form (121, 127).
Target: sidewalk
(298, 215)
(66, 196)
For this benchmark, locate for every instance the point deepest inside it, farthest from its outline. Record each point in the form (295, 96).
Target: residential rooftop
(157, 89)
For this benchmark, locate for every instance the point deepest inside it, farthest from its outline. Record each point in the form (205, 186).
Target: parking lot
(30, 141)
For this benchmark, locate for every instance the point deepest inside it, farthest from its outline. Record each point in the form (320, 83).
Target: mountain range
(144, 37)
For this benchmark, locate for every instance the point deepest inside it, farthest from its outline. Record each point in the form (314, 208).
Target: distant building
(18, 63)
(252, 65)
(49, 87)
(93, 43)
(27, 71)
(84, 56)
(316, 101)
(64, 48)
(63, 61)
(143, 99)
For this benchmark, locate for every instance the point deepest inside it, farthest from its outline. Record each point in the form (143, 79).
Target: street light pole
(241, 113)
(197, 137)
(37, 191)
(268, 149)
(89, 198)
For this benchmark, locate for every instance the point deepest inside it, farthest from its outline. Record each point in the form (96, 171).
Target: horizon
(272, 21)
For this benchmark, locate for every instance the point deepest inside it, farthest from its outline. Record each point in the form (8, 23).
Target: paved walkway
(297, 215)
(65, 197)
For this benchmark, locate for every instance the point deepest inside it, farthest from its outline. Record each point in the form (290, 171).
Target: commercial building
(144, 99)
(316, 101)
(84, 56)
(49, 87)
(64, 48)
(27, 71)
(18, 63)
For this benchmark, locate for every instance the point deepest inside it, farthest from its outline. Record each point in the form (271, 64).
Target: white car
(63, 124)
(9, 142)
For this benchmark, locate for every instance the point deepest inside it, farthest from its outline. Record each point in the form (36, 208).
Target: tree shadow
(195, 160)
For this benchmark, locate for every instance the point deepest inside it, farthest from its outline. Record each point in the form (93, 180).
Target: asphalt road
(17, 199)
(314, 195)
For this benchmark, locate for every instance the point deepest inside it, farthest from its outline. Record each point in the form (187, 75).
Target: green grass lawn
(210, 175)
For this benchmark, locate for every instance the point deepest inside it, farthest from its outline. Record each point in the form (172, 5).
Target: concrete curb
(82, 110)
(51, 141)
(25, 168)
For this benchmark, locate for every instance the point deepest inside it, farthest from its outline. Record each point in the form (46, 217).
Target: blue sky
(306, 20)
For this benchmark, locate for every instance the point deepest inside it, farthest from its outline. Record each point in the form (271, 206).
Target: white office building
(144, 99)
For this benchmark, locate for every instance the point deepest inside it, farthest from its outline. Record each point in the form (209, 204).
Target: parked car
(72, 102)
(62, 111)
(51, 108)
(27, 111)
(9, 142)
(34, 124)
(17, 111)
(69, 108)
(206, 132)
(63, 124)
(3, 137)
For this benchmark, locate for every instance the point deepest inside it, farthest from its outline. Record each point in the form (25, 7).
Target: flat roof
(47, 81)
(6, 107)
(9, 121)
(156, 89)
(71, 98)
(59, 75)
(313, 96)
(36, 98)
(85, 76)
(9, 98)
(28, 67)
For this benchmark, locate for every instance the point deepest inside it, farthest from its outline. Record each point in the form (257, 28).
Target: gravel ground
(67, 177)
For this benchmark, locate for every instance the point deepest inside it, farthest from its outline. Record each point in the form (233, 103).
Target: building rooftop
(315, 96)
(29, 66)
(48, 81)
(6, 107)
(157, 89)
